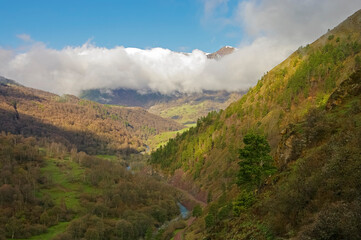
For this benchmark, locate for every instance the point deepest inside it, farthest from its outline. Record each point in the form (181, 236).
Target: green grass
(162, 138)
(190, 125)
(187, 112)
(51, 232)
(175, 232)
(67, 184)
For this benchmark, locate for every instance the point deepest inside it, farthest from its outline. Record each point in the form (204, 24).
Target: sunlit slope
(208, 153)
(292, 107)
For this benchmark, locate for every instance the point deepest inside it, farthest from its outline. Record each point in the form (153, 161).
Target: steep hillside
(294, 94)
(89, 126)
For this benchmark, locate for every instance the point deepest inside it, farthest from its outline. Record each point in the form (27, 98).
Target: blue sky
(66, 46)
(179, 25)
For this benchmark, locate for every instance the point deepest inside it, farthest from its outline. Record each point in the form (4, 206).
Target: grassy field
(186, 113)
(162, 138)
(66, 177)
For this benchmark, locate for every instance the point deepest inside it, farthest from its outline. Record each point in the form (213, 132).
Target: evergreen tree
(256, 163)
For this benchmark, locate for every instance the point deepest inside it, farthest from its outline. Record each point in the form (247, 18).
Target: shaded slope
(90, 126)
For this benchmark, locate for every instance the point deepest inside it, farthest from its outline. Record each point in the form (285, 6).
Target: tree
(124, 229)
(13, 227)
(197, 211)
(256, 164)
(209, 220)
(244, 200)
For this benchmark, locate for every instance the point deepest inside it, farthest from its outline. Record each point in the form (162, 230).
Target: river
(183, 210)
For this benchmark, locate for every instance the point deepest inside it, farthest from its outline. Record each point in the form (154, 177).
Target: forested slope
(311, 135)
(86, 125)
(71, 195)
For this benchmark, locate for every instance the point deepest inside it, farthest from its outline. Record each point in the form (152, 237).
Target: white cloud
(275, 29)
(294, 20)
(212, 6)
(24, 37)
(215, 14)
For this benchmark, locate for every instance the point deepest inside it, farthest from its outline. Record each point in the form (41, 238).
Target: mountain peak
(226, 50)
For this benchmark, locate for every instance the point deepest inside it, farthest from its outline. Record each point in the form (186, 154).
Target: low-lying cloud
(275, 28)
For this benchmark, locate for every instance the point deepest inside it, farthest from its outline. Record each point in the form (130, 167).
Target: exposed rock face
(349, 87)
(290, 147)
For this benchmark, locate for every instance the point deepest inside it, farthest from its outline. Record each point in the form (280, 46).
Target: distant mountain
(90, 126)
(184, 108)
(126, 97)
(224, 51)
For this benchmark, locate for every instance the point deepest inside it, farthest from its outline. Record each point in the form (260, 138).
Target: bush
(244, 200)
(197, 211)
(209, 220)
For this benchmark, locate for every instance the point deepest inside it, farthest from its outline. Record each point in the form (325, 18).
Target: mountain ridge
(38, 113)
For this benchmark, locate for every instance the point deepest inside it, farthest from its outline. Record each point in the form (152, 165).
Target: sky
(179, 25)
(70, 46)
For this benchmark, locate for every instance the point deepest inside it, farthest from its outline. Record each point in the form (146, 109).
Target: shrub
(197, 211)
(209, 220)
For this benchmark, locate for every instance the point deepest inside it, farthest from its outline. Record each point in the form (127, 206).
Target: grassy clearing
(175, 233)
(186, 112)
(67, 182)
(162, 138)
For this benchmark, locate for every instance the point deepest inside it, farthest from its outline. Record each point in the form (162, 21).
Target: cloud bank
(274, 29)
